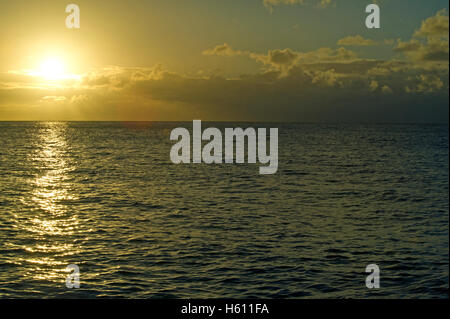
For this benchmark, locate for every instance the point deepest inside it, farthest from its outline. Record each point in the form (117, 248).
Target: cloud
(436, 26)
(285, 59)
(425, 84)
(356, 40)
(413, 45)
(280, 59)
(434, 50)
(53, 98)
(319, 91)
(373, 85)
(386, 89)
(223, 50)
(430, 43)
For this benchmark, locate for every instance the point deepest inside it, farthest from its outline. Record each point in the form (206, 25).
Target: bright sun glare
(52, 69)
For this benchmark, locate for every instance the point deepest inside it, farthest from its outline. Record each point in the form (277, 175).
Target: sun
(52, 69)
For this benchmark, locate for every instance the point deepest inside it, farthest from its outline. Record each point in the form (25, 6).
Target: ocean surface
(106, 197)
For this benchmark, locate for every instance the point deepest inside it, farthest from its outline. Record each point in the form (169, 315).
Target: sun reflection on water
(52, 224)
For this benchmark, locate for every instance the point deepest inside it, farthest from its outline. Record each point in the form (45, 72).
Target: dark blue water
(106, 197)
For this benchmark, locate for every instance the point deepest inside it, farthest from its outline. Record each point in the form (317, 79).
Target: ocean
(106, 197)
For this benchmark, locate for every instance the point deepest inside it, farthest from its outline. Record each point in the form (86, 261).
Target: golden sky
(253, 60)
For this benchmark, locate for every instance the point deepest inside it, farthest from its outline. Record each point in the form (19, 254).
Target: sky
(234, 60)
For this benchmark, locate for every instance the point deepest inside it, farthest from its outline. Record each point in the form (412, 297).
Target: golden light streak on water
(52, 222)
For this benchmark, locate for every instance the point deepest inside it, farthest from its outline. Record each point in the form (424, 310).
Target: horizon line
(231, 121)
